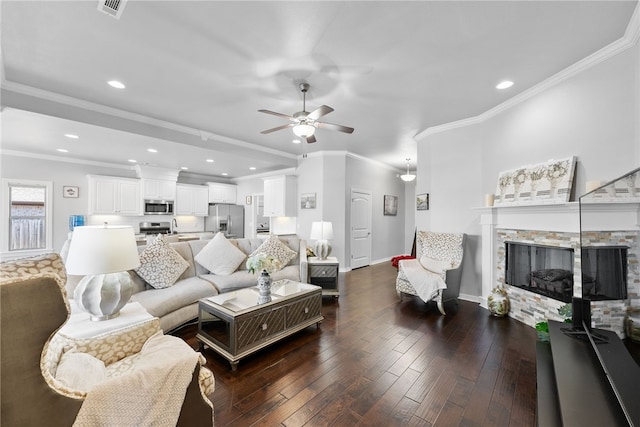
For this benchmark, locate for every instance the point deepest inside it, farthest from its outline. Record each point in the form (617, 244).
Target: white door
(360, 228)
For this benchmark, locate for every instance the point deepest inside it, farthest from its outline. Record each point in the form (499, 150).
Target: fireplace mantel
(557, 217)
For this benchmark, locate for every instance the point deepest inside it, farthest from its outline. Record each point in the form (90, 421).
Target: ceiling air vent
(112, 7)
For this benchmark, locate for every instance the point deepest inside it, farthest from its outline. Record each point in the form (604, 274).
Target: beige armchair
(33, 307)
(436, 272)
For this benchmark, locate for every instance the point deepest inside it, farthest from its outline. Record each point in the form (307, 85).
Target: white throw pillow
(434, 265)
(160, 264)
(275, 248)
(80, 371)
(220, 256)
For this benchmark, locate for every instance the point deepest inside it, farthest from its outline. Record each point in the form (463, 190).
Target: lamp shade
(102, 249)
(321, 230)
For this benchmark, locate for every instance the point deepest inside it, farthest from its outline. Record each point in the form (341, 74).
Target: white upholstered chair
(442, 253)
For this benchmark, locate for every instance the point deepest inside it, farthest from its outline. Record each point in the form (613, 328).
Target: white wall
(61, 174)
(387, 232)
(409, 215)
(248, 187)
(592, 115)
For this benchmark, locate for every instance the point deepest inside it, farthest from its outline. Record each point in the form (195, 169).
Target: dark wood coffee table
(235, 324)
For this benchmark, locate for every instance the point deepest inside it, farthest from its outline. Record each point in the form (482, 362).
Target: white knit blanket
(426, 283)
(151, 395)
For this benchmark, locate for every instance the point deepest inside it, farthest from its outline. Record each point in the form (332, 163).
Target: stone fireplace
(558, 226)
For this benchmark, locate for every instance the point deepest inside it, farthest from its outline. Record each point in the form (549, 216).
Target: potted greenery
(543, 327)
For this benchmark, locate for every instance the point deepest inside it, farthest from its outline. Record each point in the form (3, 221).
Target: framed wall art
(390, 205)
(70, 192)
(422, 202)
(548, 182)
(308, 201)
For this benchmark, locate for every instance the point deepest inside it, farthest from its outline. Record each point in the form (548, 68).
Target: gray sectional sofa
(178, 304)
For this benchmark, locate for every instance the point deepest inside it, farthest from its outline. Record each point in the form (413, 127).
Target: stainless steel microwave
(158, 207)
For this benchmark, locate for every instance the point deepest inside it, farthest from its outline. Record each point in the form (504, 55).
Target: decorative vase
(264, 284)
(498, 302)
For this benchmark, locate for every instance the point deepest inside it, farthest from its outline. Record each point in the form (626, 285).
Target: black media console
(582, 384)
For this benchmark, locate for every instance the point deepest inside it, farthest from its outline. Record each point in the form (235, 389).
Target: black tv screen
(604, 273)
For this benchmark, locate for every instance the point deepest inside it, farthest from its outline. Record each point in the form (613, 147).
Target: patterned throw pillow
(274, 247)
(160, 264)
(220, 256)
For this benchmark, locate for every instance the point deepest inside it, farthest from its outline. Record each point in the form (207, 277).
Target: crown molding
(630, 38)
(287, 171)
(374, 162)
(64, 159)
(127, 115)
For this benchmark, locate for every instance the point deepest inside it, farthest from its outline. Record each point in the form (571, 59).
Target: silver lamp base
(103, 295)
(322, 249)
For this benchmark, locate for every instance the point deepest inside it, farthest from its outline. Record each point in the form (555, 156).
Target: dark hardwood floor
(376, 361)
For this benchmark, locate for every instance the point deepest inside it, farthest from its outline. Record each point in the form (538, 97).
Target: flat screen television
(604, 263)
(604, 269)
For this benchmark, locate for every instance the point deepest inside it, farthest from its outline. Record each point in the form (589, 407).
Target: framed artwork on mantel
(542, 183)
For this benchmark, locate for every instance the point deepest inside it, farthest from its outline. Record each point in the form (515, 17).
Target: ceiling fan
(304, 123)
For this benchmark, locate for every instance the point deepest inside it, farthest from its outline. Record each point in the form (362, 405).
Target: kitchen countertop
(141, 239)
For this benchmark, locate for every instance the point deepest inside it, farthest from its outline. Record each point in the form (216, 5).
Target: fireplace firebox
(545, 270)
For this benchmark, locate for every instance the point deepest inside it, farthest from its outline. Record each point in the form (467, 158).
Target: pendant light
(408, 177)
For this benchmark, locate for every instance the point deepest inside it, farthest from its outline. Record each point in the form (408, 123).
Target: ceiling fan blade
(273, 113)
(288, 125)
(319, 112)
(331, 126)
(311, 139)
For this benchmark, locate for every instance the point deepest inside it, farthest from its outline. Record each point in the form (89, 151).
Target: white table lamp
(103, 254)
(321, 232)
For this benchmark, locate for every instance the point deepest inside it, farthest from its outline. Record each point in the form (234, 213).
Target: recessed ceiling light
(62, 150)
(504, 85)
(209, 160)
(132, 161)
(224, 174)
(152, 150)
(252, 168)
(72, 136)
(184, 168)
(296, 141)
(116, 84)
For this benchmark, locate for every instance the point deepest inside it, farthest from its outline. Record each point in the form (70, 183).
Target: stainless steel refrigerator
(226, 218)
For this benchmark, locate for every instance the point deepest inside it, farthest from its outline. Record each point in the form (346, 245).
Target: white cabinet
(158, 189)
(222, 193)
(280, 196)
(192, 200)
(112, 195)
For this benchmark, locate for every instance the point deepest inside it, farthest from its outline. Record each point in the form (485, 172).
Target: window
(27, 217)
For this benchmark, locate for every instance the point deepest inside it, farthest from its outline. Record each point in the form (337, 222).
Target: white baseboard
(470, 298)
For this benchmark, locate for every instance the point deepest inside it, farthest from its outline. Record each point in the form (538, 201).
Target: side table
(108, 340)
(324, 273)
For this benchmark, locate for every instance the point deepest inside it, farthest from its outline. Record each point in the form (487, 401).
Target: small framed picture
(390, 205)
(422, 202)
(308, 201)
(70, 191)
(247, 200)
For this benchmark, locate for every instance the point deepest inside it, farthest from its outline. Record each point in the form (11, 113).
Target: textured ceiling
(197, 72)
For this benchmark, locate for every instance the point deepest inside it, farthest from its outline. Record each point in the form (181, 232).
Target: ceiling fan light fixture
(304, 130)
(408, 177)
